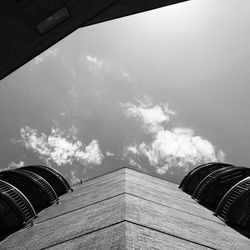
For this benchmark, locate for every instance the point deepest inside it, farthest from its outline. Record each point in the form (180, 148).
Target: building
(126, 209)
(29, 27)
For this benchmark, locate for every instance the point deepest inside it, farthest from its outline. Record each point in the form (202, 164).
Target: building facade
(126, 209)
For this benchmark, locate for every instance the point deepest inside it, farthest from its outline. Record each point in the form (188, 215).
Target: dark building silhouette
(16, 210)
(23, 194)
(234, 208)
(29, 27)
(195, 176)
(127, 209)
(224, 189)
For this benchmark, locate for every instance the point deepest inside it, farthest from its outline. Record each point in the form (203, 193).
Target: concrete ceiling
(20, 21)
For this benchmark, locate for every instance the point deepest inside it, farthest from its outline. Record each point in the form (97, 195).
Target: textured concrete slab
(159, 187)
(112, 237)
(138, 237)
(105, 179)
(128, 236)
(82, 200)
(150, 178)
(68, 226)
(170, 200)
(189, 227)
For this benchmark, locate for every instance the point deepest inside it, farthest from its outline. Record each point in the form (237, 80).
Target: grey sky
(193, 57)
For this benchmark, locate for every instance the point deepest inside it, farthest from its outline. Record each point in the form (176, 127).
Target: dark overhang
(26, 191)
(16, 210)
(224, 189)
(34, 187)
(29, 27)
(52, 176)
(234, 201)
(211, 189)
(234, 208)
(196, 175)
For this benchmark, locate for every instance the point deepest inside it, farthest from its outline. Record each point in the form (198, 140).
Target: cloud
(134, 163)
(132, 149)
(94, 60)
(92, 63)
(59, 147)
(91, 155)
(169, 148)
(13, 165)
(50, 53)
(152, 117)
(110, 154)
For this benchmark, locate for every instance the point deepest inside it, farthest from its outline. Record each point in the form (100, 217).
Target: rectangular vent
(53, 20)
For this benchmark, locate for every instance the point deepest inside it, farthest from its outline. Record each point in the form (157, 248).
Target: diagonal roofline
(124, 167)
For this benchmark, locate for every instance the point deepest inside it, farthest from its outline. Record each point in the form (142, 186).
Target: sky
(162, 91)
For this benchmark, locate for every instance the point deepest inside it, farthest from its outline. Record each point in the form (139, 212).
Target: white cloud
(109, 153)
(134, 163)
(94, 60)
(60, 148)
(91, 155)
(13, 165)
(132, 149)
(94, 67)
(50, 53)
(178, 147)
(152, 117)
(94, 63)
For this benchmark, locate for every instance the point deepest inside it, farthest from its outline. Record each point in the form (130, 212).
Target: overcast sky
(162, 91)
